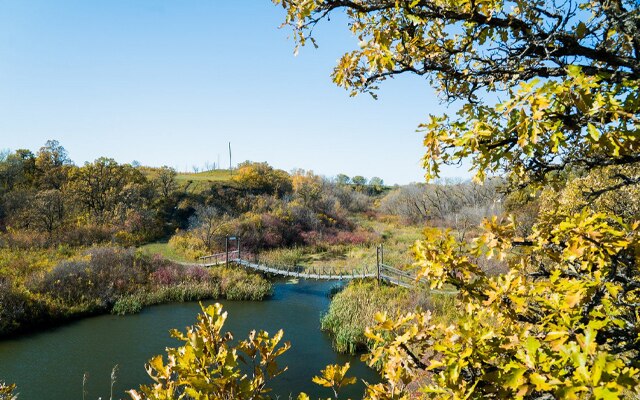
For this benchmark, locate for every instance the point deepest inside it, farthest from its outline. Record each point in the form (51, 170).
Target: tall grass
(222, 283)
(134, 303)
(283, 257)
(354, 308)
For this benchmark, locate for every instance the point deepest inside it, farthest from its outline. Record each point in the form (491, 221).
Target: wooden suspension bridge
(380, 271)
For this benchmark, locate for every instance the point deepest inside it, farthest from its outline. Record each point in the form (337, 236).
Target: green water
(50, 365)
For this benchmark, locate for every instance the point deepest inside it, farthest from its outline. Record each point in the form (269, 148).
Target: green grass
(196, 182)
(220, 175)
(201, 182)
(164, 250)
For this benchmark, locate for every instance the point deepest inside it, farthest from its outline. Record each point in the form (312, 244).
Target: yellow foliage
(207, 367)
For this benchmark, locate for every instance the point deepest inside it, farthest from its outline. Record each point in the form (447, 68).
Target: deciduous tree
(262, 178)
(563, 322)
(166, 181)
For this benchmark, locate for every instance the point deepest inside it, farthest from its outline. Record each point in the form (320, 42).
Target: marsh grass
(354, 308)
(222, 283)
(285, 257)
(134, 303)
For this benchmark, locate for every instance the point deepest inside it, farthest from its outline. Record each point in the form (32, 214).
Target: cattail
(114, 373)
(85, 378)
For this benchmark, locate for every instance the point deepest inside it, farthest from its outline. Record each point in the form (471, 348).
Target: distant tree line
(46, 199)
(445, 202)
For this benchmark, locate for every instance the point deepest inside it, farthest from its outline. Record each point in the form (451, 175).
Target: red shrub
(165, 275)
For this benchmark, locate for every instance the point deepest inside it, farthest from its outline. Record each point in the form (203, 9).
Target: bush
(86, 235)
(97, 280)
(25, 239)
(13, 306)
(188, 245)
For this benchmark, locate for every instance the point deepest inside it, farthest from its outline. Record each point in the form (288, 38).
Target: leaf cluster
(208, 366)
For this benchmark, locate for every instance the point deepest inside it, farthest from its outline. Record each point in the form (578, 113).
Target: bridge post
(378, 263)
(226, 249)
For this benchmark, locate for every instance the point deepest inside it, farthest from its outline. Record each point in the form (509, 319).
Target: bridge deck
(305, 274)
(387, 273)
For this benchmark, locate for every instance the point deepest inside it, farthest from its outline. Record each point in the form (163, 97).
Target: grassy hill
(194, 182)
(201, 181)
(219, 175)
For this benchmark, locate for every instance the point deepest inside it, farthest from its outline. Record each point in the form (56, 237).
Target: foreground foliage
(207, 366)
(7, 392)
(563, 321)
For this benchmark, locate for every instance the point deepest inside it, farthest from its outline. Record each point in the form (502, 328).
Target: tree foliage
(335, 377)
(7, 392)
(262, 178)
(563, 322)
(207, 366)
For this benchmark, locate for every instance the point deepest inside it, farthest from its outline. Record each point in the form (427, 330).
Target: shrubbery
(117, 280)
(311, 211)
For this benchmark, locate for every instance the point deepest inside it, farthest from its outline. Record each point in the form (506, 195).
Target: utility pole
(230, 159)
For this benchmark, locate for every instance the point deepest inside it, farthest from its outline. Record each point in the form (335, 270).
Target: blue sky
(171, 82)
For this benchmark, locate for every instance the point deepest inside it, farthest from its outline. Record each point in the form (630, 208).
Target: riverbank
(50, 364)
(113, 280)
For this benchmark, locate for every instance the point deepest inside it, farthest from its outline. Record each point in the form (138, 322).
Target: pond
(51, 364)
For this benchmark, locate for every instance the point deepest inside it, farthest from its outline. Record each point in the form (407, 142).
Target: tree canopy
(546, 94)
(568, 72)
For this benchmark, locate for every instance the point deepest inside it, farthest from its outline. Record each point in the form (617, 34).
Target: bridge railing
(310, 271)
(381, 270)
(338, 272)
(219, 258)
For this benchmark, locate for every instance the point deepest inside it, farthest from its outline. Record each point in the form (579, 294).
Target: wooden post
(238, 244)
(226, 249)
(378, 263)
